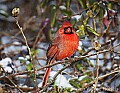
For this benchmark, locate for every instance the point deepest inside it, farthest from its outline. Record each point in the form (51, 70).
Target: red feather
(63, 45)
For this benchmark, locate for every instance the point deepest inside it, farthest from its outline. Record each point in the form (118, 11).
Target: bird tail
(46, 75)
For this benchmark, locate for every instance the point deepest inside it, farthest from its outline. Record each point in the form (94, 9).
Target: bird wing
(52, 50)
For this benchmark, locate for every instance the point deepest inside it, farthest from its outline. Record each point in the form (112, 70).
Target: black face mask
(68, 28)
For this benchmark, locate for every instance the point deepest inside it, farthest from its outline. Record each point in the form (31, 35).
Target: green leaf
(80, 67)
(101, 14)
(22, 61)
(29, 66)
(52, 22)
(94, 7)
(75, 83)
(34, 52)
(53, 18)
(89, 13)
(68, 4)
(81, 29)
(85, 79)
(80, 83)
(92, 30)
(86, 20)
(67, 12)
(83, 3)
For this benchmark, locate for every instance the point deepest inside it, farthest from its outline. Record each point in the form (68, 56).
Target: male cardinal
(63, 45)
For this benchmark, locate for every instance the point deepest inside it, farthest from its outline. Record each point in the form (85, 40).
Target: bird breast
(68, 46)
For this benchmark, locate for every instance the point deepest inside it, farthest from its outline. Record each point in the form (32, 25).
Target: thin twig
(102, 45)
(97, 72)
(55, 77)
(16, 86)
(29, 50)
(65, 61)
(17, 23)
(99, 78)
(37, 37)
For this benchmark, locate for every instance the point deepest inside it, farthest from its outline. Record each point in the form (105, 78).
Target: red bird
(63, 45)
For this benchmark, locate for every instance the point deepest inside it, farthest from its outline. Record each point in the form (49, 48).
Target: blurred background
(97, 24)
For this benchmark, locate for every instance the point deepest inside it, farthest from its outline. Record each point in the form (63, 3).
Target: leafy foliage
(96, 23)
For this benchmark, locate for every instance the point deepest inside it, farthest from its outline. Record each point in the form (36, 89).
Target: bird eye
(65, 28)
(68, 30)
